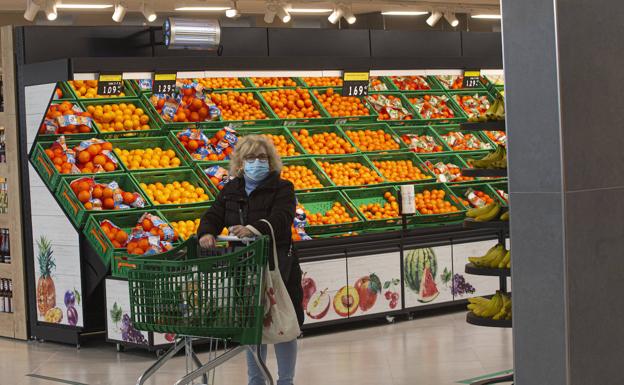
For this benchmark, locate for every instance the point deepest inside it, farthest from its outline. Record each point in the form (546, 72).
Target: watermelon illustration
(415, 263)
(428, 289)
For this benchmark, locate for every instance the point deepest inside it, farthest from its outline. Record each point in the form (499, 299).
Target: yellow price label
(355, 76)
(472, 73)
(165, 77)
(110, 78)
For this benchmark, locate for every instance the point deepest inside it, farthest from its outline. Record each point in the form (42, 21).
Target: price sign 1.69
(110, 85)
(355, 83)
(164, 83)
(472, 79)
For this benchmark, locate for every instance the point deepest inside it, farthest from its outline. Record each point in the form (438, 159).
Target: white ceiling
(254, 6)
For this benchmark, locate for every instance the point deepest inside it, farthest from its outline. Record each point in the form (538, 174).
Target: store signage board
(110, 84)
(355, 83)
(472, 79)
(164, 83)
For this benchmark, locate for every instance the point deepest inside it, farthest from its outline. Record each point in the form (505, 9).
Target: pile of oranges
(324, 81)
(273, 82)
(291, 104)
(390, 209)
(88, 89)
(350, 173)
(139, 159)
(323, 143)
(238, 106)
(117, 236)
(119, 117)
(141, 245)
(283, 147)
(399, 170)
(459, 141)
(220, 83)
(372, 140)
(480, 194)
(301, 176)
(338, 105)
(433, 202)
(175, 192)
(58, 110)
(85, 192)
(92, 158)
(186, 228)
(337, 214)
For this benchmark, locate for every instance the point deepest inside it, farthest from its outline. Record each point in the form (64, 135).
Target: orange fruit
(94, 149)
(84, 157)
(121, 237)
(147, 224)
(108, 204)
(97, 192)
(107, 193)
(84, 196)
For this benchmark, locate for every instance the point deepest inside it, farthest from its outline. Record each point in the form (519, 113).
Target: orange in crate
(338, 105)
(399, 170)
(323, 143)
(432, 202)
(323, 81)
(291, 104)
(337, 214)
(350, 174)
(372, 140)
(390, 209)
(238, 106)
(301, 176)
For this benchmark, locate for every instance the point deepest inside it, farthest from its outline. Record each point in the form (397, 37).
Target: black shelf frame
(491, 125)
(485, 173)
(472, 319)
(472, 269)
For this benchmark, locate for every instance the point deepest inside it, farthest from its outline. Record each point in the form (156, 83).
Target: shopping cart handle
(233, 238)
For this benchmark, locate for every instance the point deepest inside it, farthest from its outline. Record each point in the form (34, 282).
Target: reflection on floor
(436, 350)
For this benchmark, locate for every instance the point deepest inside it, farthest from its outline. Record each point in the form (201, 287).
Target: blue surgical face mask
(256, 169)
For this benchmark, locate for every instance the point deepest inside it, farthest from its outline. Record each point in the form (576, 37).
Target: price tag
(164, 83)
(110, 85)
(355, 83)
(472, 79)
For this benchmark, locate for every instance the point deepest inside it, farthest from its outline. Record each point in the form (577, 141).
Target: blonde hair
(250, 144)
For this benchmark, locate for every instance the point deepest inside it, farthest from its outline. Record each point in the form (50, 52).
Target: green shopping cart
(215, 299)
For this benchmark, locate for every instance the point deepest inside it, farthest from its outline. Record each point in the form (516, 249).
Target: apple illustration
(309, 288)
(346, 301)
(368, 287)
(318, 305)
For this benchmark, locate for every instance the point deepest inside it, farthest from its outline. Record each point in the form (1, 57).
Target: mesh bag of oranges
(66, 118)
(105, 196)
(200, 147)
(389, 107)
(89, 156)
(475, 198)
(447, 172)
(151, 235)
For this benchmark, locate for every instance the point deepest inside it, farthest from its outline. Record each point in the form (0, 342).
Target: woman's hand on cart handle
(241, 231)
(208, 241)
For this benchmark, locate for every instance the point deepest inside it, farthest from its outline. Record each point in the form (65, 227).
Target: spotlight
(452, 20)
(50, 10)
(271, 11)
(31, 10)
(148, 12)
(434, 18)
(233, 11)
(349, 16)
(336, 15)
(283, 14)
(119, 13)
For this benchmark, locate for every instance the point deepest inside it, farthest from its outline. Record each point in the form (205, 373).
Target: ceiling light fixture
(233, 11)
(119, 13)
(202, 9)
(83, 6)
(404, 13)
(486, 16)
(32, 9)
(309, 10)
(271, 11)
(434, 18)
(451, 18)
(349, 16)
(50, 10)
(148, 12)
(335, 15)
(283, 14)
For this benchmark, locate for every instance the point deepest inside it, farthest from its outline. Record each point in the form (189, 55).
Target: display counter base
(472, 319)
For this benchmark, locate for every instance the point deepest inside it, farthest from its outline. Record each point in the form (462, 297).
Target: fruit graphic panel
(472, 285)
(322, 281)
(426, 275)
(163, 338)
(374, 284)
(118, 323)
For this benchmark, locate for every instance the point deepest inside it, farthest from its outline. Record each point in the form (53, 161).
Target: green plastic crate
(447, 158)
(180, 175)
(459, 94)
(410, 156)
(153, 124)
(150, 142)
(362, 159)
(125, 220)
(321, 202)
(200, 167)
(404, 102)
(372, 195)
(164, 125)
(459, 115)
(137, 89)
(429, 79)
(371, 117)
(253, 85)
(374, 127)
(420, 131)
(76, 211)
(79, 136)
(385, 81)
(68, 95)
(323, 119)
(303, 83)
(319, 130)
(316, 170)
(442, 85)
(442, 130)
(460, 191)
(128, 91)
(420, 218)
(285, 132)
(502, 185)
(185, 214)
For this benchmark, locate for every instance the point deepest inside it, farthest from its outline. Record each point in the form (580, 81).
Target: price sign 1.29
(472, 79)
(355, 83)
(164, 83)
(110, 85)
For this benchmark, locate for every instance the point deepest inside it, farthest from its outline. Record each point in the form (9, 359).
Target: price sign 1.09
(164, 83)
(355, 83)
(110, 85)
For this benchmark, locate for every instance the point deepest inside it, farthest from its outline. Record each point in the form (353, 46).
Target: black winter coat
(273, 200)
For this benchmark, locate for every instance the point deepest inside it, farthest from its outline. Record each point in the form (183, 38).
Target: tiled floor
(436, 350)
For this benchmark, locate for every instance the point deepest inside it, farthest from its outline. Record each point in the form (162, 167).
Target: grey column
(564, 63)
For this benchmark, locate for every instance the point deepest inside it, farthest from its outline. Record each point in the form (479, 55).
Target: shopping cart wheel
(120, 348)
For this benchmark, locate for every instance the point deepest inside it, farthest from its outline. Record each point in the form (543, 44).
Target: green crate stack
(401, 132)
(161, 142)
(458, 95)
(321, 202)
(449, 196)
(75, 210)
(446, 159)
(442, 130)
(361, 159)
(396, 156)
(442, 85)
(124, 219)
(431, 82)
(180, 175)
(138, 103)
(80, 136)
(414, 117)
(323, 119)
(346, 128)
(184, 214)
(459, 115)
(294, 131)
(312, 166)
(127, 91)
(372, 195)
(371, 117)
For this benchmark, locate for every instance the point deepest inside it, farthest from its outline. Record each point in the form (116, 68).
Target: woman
(257, 192)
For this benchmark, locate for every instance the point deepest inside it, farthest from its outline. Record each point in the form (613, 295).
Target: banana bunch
(485, 213)
(496, 308)
(497, 258)
(495, 112)
(495, 159)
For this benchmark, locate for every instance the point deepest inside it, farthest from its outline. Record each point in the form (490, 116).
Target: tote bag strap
(273, 242)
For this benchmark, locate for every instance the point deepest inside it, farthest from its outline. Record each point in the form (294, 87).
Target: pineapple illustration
(46, 293)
